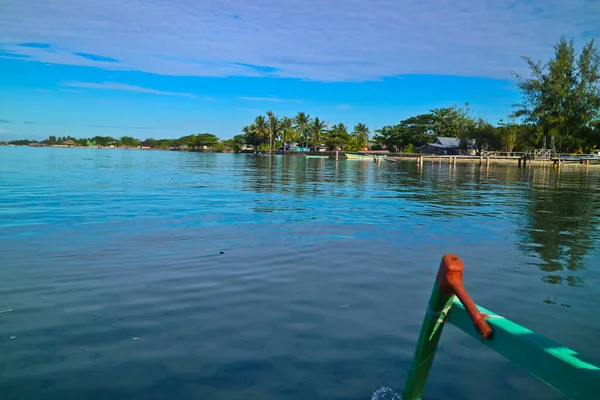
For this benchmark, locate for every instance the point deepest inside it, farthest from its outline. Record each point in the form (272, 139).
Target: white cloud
(2, 130)
(343, 107)
(125, 87)
(337, 40)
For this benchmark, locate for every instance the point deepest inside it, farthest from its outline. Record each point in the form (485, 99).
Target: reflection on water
(155, 274)
(562, 223)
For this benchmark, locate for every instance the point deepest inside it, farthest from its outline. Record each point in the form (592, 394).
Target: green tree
(288, 133)
(129, 141)
(318, 128)
(483, 135)
(414, 131)
(261, 129)
(562, 96)
(451, 121)
(302, 121)
(235, 143)
(338, 136)
(52, 140)
(361, 133)
(205, 139)
(274, 128)
(509, 135)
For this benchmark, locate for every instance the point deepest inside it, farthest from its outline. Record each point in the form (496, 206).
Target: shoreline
(419, 159)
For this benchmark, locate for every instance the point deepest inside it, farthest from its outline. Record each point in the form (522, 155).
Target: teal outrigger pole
(561, 368)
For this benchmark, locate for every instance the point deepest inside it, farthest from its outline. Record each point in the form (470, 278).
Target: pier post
(519, 162)
(487, 161)
(480, 160)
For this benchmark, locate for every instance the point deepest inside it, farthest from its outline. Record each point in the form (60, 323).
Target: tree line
(560, 104)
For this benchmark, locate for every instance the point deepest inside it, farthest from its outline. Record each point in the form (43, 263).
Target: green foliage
(451, 121)
(361, 134)
(235, 143)
(338, 137)
(483, 136)
(562, 97)
(416, 131)
(274, 126)
(206, 139)
(129, 141)
(303, 121)
(318, 129)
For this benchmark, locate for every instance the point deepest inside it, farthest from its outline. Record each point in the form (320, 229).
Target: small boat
(316, 156)
(353, 156)
(561, 368)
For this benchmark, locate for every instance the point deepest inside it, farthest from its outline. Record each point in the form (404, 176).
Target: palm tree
(302, 121)
(273, 129)
(261, 128)
(318, 128)
(287, 130)
(361, 132)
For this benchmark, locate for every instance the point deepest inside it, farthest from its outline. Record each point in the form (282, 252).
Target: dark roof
(448, 142)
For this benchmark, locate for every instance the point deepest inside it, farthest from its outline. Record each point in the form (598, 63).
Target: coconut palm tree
(302, 122)
(287, 130)
(361, 133)
(318, 128)
(249, 135)
(274, 128)
(261, 128)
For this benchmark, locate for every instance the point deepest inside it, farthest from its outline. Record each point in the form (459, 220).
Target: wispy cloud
(5, 121)
(29, 122)
(34, 45)
(337, 40)
(343, 106)
(2, 130)
(43, 90)
(209, 98)
(119, 127)
(70, 90)
(124, 87)
(94, 57)
(271, 99)
(252, 110)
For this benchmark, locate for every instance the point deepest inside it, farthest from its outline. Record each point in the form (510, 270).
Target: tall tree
(274, 127)
(361, 133)
(302, 122)
(562, 96)
(261, 128)
(338, 136)
(318, 128)
(451, 121)
(483, 135)
(287, 130)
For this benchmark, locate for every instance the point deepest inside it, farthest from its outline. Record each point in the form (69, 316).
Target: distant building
(69, 142)
(447, 146)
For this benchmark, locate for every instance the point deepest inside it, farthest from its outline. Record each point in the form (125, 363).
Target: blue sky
(159, 68)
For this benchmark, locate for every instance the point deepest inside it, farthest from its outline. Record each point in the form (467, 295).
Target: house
(69, 143)
(447, 146)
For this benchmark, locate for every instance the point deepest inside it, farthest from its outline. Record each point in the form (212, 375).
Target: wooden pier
(521, 161)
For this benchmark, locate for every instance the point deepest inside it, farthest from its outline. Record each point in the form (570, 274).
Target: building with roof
(447, 146)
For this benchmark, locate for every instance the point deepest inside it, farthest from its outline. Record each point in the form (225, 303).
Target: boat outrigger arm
(561, 368)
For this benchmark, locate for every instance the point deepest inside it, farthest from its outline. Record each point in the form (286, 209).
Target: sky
(168, 68)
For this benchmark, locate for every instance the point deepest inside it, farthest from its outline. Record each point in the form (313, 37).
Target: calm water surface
(110, 262)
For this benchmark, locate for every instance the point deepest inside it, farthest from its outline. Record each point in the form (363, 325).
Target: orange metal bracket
(450, 282)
